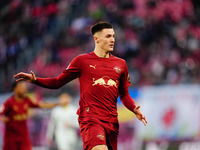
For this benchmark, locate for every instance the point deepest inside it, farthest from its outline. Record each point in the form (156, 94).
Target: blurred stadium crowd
(158, 38)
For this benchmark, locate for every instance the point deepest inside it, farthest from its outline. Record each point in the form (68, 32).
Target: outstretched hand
(140, 115)
(25, 77)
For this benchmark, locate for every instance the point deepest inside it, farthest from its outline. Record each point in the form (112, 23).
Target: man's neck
(18, 98)
(102, 53)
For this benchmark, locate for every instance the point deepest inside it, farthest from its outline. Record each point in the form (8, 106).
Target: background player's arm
(47, 105)
(4, 118)
(3, 109)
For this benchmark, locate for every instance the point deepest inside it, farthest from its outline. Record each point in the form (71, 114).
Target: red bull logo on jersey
(117, 69)
(105, 81)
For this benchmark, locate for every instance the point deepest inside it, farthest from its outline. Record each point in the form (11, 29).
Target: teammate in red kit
(14, 113)
(102, 78)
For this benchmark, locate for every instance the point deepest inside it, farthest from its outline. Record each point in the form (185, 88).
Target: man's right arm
(55, 83)
(72, 72)
(52, 83)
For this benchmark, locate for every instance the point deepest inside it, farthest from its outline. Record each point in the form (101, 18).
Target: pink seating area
(159, 39)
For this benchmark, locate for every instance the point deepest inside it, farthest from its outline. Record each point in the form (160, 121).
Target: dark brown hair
(14, 84)
(100, 26)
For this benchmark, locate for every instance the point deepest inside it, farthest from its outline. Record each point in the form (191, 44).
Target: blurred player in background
(14, 113)
(63, 123)
(102, 78)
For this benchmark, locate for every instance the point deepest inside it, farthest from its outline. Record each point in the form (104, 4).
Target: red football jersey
(17, 112)
(100, 81)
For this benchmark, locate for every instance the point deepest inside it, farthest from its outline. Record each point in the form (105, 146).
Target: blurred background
(159, 39)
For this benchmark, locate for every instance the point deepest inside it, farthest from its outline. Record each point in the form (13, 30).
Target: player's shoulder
(30, 100)
(118, 59)
(9, 100)
(83, 56)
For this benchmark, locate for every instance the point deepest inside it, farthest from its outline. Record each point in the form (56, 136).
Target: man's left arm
(126, 99)
(130, 104)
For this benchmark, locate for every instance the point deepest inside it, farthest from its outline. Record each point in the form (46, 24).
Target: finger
(34, 78)
(19, 75)
(32, 73)
(137, 107)
(21, 79)
(144, 122)
(16, 76)
(145, 119)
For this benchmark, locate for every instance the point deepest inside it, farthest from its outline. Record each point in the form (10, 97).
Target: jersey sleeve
(124, 79)
(75, 65)
(126, 99)
(73, 71)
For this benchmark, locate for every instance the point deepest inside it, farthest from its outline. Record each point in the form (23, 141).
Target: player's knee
(100, 147)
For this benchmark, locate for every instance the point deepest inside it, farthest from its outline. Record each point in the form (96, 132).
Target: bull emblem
(105, 81)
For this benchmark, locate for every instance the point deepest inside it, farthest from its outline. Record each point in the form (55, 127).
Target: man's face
(64, 99)
(105, 39)
(20, 89)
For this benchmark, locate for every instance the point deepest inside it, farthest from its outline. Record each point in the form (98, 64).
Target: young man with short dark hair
(102, 78)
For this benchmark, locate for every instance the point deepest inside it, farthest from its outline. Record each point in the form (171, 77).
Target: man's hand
(25, 77)
(140, 115)
(4, 119)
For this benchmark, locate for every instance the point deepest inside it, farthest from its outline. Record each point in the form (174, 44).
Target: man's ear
(96, 39)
